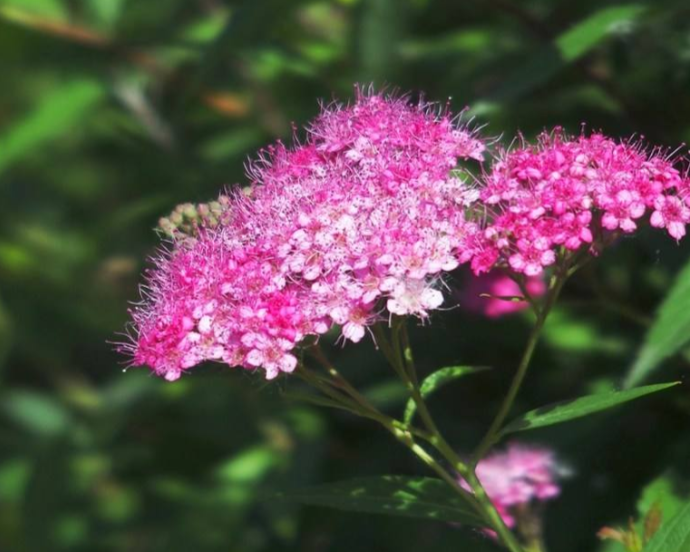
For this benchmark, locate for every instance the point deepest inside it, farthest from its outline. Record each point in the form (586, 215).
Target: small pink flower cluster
(518, 476)
(568, 192)
(495, 294)
(362, 218)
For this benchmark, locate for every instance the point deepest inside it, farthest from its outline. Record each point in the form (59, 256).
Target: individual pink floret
(518, 476)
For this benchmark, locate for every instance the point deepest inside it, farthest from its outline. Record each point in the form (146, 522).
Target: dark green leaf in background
(669, 332)
(567, 48)
(419, 497)
(437, 380)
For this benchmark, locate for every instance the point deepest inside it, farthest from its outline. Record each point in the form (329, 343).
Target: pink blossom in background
(497, 285)
(518, 476)
(572, 192)
(357, 223)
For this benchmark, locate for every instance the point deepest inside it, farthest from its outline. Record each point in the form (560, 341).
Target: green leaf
(437, 380)
(208, 28)
(35, 412)
(248, 467)
(669, 333)
(386, 393)
(50, 9)
(564, 411)
(567, 48)
(674, 535)
(584, 36)
(418, 497)
(56, 114)
(660, 491)
(106, 12)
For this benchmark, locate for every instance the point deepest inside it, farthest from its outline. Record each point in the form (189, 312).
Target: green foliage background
(114, 111)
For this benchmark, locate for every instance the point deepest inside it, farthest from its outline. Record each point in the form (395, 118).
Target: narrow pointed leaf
(669, 333)
(418, 497)
(674, 535)
(437, 380)
(589, 32)
(56, 115)
(564, 411)
(567, 48)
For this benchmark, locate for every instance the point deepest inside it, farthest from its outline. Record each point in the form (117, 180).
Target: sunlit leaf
(565, 411)
(249, 466)
(567, 48)
(587, 34)
(206, 29)
(419, 497)
(674, 535)
(56, 114)
(36, 412)
(51, 9)
(106, 12)
(660, 491)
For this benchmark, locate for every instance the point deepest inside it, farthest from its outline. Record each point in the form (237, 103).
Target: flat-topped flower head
(519, 476)
(356, 224)
(566, 193)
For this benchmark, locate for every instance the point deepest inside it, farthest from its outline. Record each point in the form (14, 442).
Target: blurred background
(114, 111)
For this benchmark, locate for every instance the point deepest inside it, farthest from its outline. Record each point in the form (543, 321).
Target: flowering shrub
(358, 228)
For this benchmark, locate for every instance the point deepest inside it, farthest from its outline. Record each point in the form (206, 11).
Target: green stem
(493, 433)
(338, 379)
(485, 507)
(491, 514)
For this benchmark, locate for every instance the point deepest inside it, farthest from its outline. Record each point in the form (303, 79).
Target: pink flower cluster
(354, 225)
(494, 294)
(362, 220)
(565, 193)
(518, 476)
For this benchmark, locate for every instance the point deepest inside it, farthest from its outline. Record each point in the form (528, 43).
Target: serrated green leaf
(437, 380)
(674, 535)
(418, 497)
(565, 411)
(669, 333)
(56, 114)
